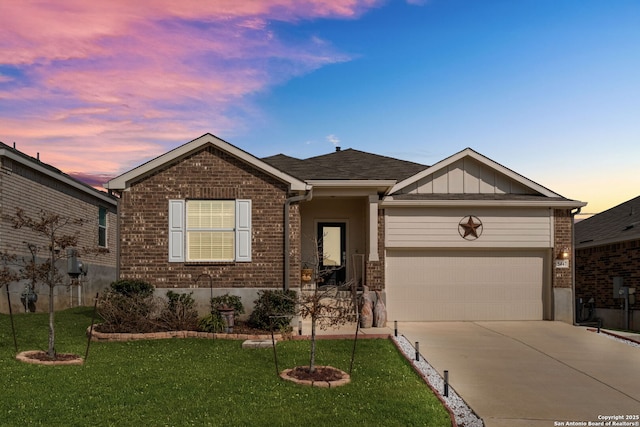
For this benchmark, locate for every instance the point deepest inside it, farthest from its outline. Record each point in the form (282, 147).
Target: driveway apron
(533, 373)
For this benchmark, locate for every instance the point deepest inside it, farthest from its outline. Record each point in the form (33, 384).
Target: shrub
(232, 301)
(178, 313)
(128, 306)
(211, 323)
(131, 287)
(214, 321)
(273, 303)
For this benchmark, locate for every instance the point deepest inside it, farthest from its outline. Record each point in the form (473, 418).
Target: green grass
(182, 382)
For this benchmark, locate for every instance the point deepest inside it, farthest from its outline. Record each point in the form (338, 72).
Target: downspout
(573, 263)
(118, 199)
(287, 244)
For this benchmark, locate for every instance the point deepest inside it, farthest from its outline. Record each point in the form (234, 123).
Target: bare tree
(326, 308)
(8, 274)
(325, 305)
(51, 228)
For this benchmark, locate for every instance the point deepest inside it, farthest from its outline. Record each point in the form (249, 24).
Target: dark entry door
(332, 250)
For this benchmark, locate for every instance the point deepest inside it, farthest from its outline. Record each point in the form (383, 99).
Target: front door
(332, 250)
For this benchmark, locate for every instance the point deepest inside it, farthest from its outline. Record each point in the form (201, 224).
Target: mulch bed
(321, 373)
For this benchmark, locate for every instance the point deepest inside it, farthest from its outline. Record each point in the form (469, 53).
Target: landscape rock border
(110, 336)
(25, 357)
(346, 379)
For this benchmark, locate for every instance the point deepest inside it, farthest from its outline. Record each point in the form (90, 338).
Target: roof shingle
(346, 164)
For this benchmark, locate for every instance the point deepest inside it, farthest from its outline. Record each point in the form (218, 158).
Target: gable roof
(618, 224)
(124, 181)
(346, 164)
(469, 177)
(53, 172)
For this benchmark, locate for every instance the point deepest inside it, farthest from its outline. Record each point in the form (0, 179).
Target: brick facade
(597, 266)
(563, 238)
(27, 188)
(209, 173)
(375, 269)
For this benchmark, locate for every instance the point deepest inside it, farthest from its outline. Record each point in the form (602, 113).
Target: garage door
(464, 285)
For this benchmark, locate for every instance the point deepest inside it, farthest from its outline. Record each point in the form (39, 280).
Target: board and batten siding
(431, 227)
(466, 176)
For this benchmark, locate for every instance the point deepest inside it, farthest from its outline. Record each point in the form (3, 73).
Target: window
(102, 227)
(209, 230)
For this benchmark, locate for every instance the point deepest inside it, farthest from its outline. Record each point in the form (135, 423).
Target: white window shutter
(176, 230)
(243, 230)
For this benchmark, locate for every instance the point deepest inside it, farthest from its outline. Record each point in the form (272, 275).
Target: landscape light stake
(395, 328)
(446, 383)
(273, 344)
(13, 328)
(417, 351)
(299, 327)
(599, 324)
(355, 341)
(93, 319)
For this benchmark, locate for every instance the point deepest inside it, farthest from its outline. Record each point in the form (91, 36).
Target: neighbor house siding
(206, 174)
(32, 191)
(438, 227)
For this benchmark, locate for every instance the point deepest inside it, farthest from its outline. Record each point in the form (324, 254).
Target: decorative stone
(366, 313)
(379, 312)
(257, 344)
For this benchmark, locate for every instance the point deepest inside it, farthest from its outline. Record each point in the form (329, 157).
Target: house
(464, 239)
(608, 266)
(27, 183)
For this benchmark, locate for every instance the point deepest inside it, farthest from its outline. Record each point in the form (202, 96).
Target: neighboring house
(464, 239)
(31, 185)
(608, 247)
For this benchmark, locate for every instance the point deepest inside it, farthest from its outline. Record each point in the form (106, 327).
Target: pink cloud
(100, 87)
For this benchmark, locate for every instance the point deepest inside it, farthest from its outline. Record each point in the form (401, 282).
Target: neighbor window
(209, 230)
(102, 227)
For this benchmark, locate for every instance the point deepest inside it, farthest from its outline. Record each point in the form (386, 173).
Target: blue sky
(550, 89)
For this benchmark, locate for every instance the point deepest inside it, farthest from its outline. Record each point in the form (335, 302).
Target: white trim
(178, 232)
(559, 204)
(373, 228)
(468, 152)
(123, 181)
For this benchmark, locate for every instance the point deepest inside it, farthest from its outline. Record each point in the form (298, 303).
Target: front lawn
(201, 382)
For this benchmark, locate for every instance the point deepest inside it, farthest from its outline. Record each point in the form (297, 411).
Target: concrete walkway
(533, 373)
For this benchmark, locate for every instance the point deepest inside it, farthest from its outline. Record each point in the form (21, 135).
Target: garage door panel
(496, 285)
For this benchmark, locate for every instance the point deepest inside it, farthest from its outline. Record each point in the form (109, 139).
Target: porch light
(563, 254)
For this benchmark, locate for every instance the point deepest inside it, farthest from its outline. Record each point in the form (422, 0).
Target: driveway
(533, 373)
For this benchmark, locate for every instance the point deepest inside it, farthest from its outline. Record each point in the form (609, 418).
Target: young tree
(51, 228)
(326, 308)
(325, 305)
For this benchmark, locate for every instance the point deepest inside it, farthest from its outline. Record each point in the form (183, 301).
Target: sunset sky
(548, 88)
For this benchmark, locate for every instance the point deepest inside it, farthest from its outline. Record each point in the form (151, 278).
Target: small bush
(232, 301)
(129, 306)
(132, 287)
(179, 313)
(273, 303)
(214, 322)
(211, 323)
(127, 312)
